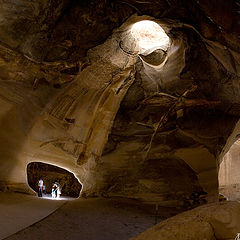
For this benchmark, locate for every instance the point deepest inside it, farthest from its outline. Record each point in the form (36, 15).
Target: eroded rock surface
(75, 92)
(210, 222)
(229, 173)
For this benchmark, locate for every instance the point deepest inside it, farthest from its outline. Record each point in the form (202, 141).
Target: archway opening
(154, 47)
(149, 36)
(229, 173)
(50, 174)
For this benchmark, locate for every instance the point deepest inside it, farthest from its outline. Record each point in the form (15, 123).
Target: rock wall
(210, 222)
(76, 92)
(229, 179)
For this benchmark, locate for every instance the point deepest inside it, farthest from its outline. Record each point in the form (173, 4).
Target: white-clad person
(40, 187)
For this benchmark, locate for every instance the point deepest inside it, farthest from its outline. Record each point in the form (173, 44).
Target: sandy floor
(19, 211)
(92, 219)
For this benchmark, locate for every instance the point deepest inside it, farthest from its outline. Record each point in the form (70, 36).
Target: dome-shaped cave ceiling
(76, 92)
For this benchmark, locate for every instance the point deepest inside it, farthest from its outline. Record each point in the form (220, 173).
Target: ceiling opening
(149, 36)
(229, 173)
(50, 174)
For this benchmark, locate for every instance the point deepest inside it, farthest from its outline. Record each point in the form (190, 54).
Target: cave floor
(19, 211)
(85, 219)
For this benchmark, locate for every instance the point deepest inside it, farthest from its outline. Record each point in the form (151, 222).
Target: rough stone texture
(75, 94)
(84, 25)
(209, 222)
(229, 173)
(51, 174)
(25, 24)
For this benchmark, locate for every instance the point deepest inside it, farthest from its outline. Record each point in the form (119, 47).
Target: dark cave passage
(50, 174)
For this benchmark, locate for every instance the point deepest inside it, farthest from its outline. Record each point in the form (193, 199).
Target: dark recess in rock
(50, 174)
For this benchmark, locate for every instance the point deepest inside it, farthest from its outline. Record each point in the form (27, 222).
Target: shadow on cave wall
(20, 106)
(50, 174)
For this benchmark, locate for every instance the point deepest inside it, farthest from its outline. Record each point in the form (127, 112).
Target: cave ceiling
(75, 93)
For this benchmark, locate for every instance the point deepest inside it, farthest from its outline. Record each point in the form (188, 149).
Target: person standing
(40, 188)
(58, 190)
(54, 190)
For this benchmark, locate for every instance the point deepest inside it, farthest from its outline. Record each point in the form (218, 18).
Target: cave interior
(136, 100)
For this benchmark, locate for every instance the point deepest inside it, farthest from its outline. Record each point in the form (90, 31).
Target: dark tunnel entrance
(50, 174)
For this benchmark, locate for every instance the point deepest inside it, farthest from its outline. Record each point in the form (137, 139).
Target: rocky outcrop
(229, 173)
(210, 222)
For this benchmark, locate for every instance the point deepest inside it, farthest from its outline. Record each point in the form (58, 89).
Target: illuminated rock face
(149, 36)
(127, 121)
(229, 179)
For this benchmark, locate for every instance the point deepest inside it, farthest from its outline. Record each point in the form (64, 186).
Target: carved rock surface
(74, 93)
(210, 222)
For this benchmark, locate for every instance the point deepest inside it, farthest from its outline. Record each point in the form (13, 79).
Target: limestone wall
(209, 222)
(122, 122)
(229, 173)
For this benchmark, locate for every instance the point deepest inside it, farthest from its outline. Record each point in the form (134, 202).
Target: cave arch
(71, 187)
(149, 36)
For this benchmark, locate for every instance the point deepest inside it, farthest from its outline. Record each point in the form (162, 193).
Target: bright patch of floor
(19, 211)
(85, 219)
(90, 219)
